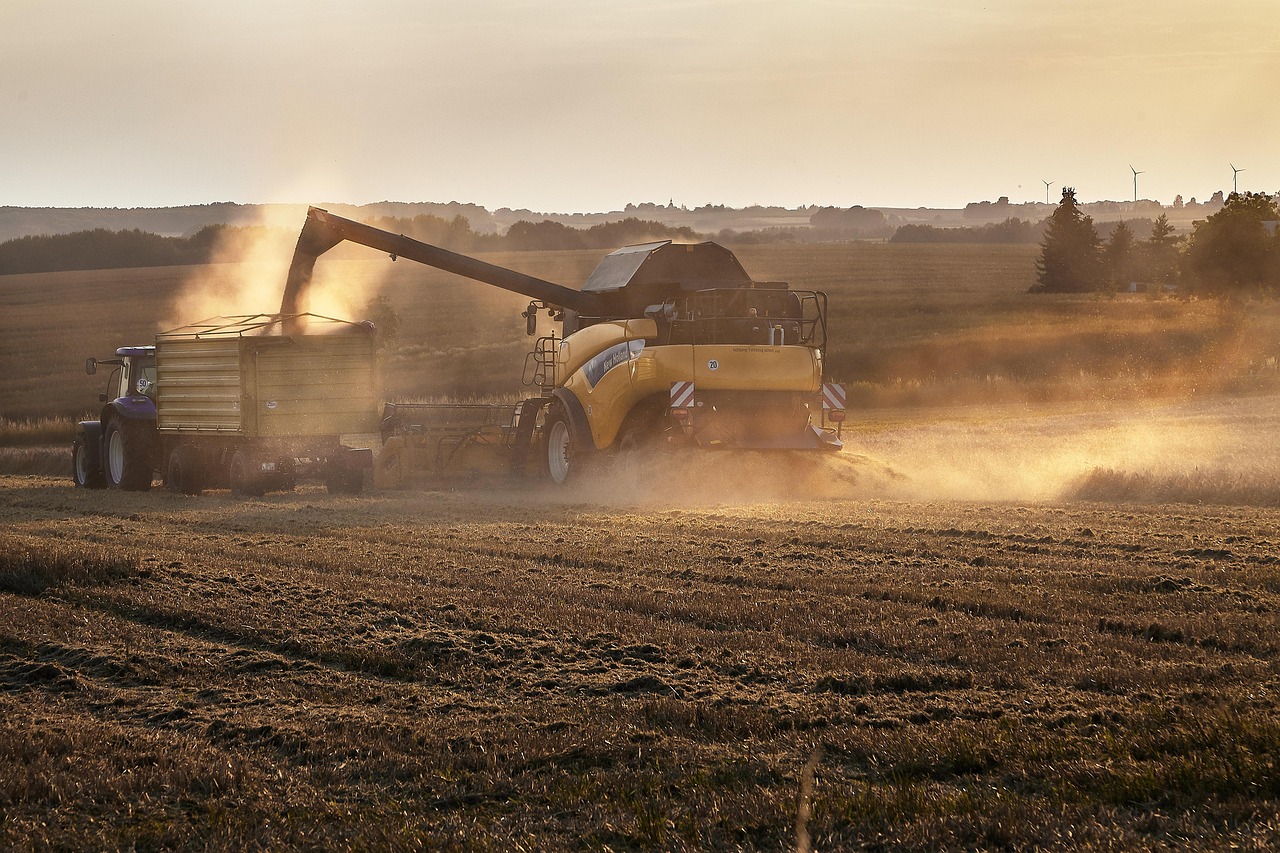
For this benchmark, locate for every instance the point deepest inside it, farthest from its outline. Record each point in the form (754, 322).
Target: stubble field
(1033, 604)
(528, 670)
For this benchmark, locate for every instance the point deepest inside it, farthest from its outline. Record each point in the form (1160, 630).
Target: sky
(586, 105)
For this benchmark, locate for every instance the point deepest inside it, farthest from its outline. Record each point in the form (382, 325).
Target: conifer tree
(1120, 256)
(1070, 258)
(1160, 254)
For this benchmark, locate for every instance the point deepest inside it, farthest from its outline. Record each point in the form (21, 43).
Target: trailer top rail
(256, 325)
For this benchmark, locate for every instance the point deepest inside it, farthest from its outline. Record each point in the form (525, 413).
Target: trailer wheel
(344, 481)
(566, 456)
(243, 481)
(183, 475)
(128, 462)
(86, 474)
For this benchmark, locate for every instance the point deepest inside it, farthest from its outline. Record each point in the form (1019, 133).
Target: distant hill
(187, 220)
(711, 219)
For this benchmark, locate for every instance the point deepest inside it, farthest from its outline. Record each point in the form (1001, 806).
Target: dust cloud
(1216, 451)
(1048, 456)
(248, 267)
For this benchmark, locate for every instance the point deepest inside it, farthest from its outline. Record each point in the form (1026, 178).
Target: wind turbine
(1047, 184)
(1136, 173)
(1235, 187)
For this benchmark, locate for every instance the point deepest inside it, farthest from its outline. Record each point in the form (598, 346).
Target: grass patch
(31, 432)
(45, 461)
(30, 565)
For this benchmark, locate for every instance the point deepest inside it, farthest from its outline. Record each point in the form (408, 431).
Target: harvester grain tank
(665, 344)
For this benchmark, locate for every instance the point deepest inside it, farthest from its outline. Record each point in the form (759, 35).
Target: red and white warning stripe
(833, 396)
(681, 395)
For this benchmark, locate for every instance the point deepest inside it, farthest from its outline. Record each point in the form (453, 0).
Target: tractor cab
(134, 376)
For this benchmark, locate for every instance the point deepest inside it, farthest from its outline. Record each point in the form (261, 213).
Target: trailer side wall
(199, 385)
(313, 385)
(268, 386)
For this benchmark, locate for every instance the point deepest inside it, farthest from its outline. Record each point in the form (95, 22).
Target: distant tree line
(103, 249)
(1234, 251)
(528, 236)
(1012, 230)
(855, 222)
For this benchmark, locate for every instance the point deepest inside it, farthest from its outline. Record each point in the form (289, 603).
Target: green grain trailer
(240, 404)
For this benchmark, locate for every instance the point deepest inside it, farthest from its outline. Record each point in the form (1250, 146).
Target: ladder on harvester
(541, 362)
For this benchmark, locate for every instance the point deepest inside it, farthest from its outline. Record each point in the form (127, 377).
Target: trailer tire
(182, 474)
(344, 481)
(565, 453)
(242, 479)
(129, 448)
(84, 472)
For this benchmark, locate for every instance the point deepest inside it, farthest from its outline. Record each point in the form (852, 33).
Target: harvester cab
(665, 344)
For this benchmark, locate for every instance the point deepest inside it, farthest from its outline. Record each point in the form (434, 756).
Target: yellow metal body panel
(268, 386)
(741, 367)
(580, 347)
(633, 375)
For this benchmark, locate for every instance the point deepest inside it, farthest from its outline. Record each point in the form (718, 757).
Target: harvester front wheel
(128, 462)
(566, 454)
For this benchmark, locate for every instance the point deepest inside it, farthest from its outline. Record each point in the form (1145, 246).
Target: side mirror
(90, 366)
(531, 320)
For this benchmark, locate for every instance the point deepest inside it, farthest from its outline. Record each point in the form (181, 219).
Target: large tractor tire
(129, 448)
(567, 456)
(244, 479)
(182, 474)
(85, 470)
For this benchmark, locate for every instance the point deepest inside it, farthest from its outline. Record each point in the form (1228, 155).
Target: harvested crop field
(522, 668)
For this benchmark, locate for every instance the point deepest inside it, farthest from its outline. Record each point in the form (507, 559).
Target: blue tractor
(119, 449)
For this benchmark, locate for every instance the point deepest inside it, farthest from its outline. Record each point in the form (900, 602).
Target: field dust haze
(1216, 451)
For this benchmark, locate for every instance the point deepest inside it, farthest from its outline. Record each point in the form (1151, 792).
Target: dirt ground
(615, 667)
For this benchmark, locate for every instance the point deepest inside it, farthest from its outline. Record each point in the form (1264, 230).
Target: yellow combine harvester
(665, 344)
